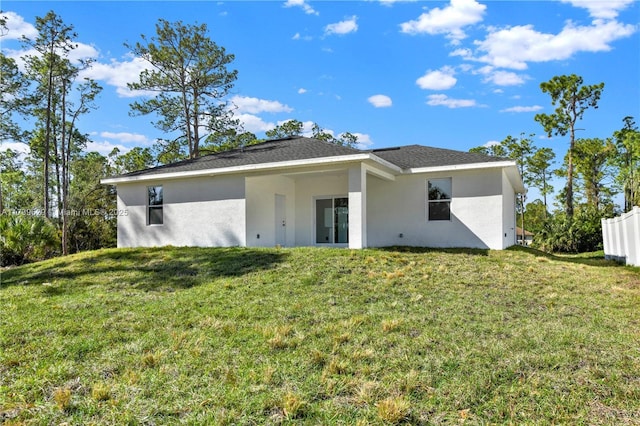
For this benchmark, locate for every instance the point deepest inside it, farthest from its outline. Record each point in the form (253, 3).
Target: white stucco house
(300, 191)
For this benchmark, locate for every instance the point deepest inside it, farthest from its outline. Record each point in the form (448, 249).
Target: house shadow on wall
(451, 236)
(149, 269)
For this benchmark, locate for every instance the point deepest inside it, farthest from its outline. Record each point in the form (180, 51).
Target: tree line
(51, 200)
(55, 187)
(594, 169)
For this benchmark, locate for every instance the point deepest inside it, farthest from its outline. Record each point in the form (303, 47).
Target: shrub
(581, 234)
(26, 239)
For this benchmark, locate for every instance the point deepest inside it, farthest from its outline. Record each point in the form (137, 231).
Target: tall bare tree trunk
(65, 165)
(196, 126)
(47, 137)
(569, 201)
(544, 195)
(56, 163)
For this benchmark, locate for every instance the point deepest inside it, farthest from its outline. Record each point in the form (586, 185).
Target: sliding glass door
(332, 220)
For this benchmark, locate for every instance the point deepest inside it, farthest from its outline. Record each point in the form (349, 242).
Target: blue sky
(455, 74)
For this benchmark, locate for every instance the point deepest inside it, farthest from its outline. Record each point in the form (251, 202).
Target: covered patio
(322, 205)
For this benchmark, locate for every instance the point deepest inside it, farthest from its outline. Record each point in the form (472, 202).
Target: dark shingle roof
(272, 151)
(413, 156)
(301, 148)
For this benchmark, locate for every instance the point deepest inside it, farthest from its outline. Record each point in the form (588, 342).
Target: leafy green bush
(26, 238)
(581, 234)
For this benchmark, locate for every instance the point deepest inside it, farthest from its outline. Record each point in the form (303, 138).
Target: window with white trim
(439, 199)
(154, 206)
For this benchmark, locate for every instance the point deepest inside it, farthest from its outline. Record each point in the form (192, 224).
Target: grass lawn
(320, 336)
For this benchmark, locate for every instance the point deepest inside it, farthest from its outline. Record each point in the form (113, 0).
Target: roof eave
(456, 167)
(513, 174)
(510, 167)
(251, 168)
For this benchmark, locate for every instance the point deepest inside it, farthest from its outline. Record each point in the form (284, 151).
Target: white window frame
(155, 206)
(315, 236)
(440, 200)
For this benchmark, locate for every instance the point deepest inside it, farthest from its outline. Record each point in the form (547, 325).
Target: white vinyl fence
(621, 237)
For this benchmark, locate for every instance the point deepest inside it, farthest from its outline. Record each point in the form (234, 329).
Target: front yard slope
(319, 336)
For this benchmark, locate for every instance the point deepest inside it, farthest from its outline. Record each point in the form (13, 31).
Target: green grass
(320, 336)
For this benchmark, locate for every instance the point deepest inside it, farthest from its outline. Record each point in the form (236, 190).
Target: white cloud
(302, 91)
(118, 74)
(105, 147)
(297, 36)
(308, 132)
(441, 79)
(532, 108)
(489, 144)
(603, 9)
(307, 127)
(126, 137)
(82, 51)
(392, 2)
(21, 148)
(302, 4)
(380, 101)
(364, 140)
(506, 78)
(463, 52)
(253, 123)
(449, 20)
(444, 100)
(17, 27)
(513, 47)
(343, 27)
(498, 91)
(501, 77)
(251, 105)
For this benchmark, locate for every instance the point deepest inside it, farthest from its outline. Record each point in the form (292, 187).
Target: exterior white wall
(307, 190)
(260, 193)
(508, 212)
(196, 212)
(233, 210)
(621, 237)
(399, 207)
